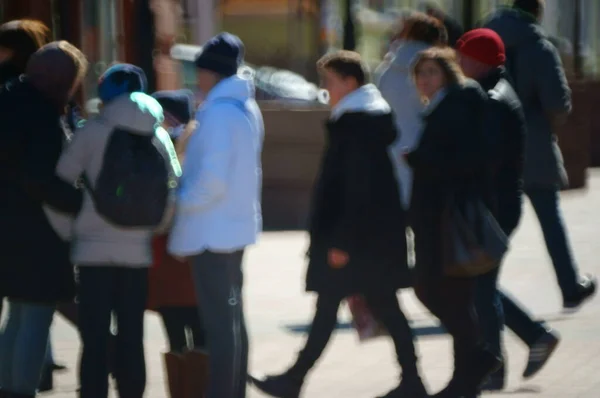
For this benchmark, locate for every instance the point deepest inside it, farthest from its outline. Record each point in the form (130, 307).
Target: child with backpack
(129, 167)
(171, 291)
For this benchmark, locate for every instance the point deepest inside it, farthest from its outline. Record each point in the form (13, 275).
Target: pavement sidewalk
(278, 310)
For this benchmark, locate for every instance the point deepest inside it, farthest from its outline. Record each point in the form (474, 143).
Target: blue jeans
(104, 289)
(496, 309)
(546, 203)
(23, 344)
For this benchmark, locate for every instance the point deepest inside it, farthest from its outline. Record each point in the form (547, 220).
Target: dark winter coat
(357, 209)
(448, 163)
(505, 131)
(537, 71)
(34, 261)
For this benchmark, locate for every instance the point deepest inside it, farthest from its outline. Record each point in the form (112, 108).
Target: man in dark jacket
(539, 80)
(482, 57)
(357, 228)
(453, 27)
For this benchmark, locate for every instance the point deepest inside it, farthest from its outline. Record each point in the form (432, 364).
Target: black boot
(496, 381)
(408, 388)
(280, 386)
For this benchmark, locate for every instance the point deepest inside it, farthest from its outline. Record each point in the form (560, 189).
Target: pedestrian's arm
(40, 179)
(552, 85)
(204, 179)
(355, 199)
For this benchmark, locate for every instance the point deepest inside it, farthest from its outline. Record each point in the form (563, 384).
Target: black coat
(34, 261)
(505, 133)
(356, 208)
(449, 164)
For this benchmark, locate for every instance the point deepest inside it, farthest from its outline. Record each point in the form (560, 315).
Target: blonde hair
(446, 59)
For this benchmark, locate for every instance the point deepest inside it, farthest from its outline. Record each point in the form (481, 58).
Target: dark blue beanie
(120, 79)
(178, 104)
(223, 54)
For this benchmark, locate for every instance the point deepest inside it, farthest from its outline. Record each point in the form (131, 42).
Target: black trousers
(102, 291)
(218, 279)
(178, 321)
(451, 300)
(384, 306)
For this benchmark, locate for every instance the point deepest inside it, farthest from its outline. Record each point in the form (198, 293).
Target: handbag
(473, 242)
(367, 326)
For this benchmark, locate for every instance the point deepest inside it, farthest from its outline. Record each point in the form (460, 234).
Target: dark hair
(346, 64)
(534, 7)
(24, 37)
(424, 28)
(447, 60)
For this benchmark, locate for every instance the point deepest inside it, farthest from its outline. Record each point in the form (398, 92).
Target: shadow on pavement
(423, 331)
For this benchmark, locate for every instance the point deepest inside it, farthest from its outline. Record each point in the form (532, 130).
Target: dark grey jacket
(540, 82)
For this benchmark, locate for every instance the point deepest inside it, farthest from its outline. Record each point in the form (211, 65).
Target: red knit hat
(483, 45)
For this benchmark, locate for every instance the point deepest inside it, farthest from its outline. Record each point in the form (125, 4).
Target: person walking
(482, 57)
(449, 169)
(218, 207)
(113, 259)
(35, 270)
(171, 290)
(537, 73)
(357, 234)
(418, 33)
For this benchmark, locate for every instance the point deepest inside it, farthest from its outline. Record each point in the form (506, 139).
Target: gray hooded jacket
(95, 241)
(543, 89)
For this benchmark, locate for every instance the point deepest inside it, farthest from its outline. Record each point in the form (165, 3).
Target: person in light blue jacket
(418, 32)
(218, 212)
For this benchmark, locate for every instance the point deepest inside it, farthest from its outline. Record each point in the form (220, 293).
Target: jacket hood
(406, 54)
(515, 27)
(234, 87)
(365, 99)
(136, 111)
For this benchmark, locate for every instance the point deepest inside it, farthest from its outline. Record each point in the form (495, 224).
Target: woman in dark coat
(447, 167)
(18, 41)
(357, 230)
(35, 271)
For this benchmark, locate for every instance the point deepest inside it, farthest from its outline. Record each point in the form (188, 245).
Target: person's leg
(546, 204)
(386, 308)
(194, 322)
(323, 325)
(488, 305)
(9, 333)
(218, 282)
(30, 347)
(96, 289)
(174, 323)
(130, 305)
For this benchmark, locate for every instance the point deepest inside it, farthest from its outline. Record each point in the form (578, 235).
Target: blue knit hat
(177, 104)
(120, 79)
(223, 54)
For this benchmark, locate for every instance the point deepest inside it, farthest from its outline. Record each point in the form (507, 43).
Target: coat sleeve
(208, 159)
(551, 82)
(40, 178)
(356, 198)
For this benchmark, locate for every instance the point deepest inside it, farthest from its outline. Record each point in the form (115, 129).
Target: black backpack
(136, 185)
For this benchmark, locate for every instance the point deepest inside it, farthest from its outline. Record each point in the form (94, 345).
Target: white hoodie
(219, 197)
(399, 90)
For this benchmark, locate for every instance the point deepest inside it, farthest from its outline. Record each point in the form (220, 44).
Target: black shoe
(586, 290)
(540, 352)
(281, 386)
(408, 389)
(496, 381)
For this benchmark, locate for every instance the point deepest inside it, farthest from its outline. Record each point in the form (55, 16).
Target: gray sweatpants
(218, 280)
